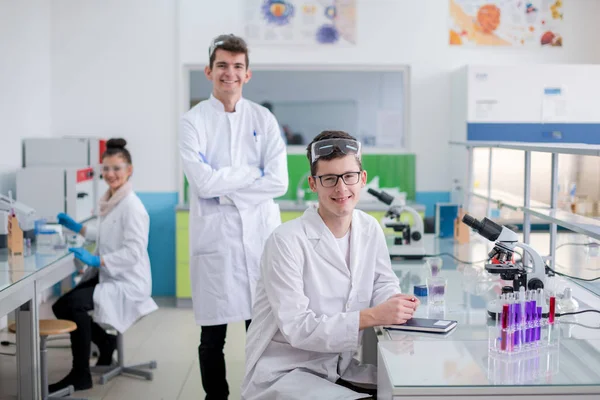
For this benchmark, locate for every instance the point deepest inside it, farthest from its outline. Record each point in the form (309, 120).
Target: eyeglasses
(331, 180)
(114, 168)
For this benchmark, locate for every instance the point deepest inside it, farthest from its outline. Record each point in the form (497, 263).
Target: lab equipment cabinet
(51, 190)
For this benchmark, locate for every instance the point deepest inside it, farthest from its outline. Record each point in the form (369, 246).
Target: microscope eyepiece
(382, 196)
(472, 222)
(486, 227)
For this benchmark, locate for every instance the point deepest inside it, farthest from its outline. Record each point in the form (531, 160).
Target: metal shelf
(558, 148)
(505, 199)
(577, 223)
(530, 208)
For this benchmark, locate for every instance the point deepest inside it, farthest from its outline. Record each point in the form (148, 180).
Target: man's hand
(410, 297)
(396, 310)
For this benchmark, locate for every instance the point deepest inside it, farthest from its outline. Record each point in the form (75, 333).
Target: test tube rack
(523, 368)
(522, 327)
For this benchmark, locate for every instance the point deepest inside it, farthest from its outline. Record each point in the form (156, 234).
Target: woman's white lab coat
(122, 295)
(232, 211)
(305, 327)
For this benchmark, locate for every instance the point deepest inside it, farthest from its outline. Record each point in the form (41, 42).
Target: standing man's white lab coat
(305, 330)
(122, 295)
(232, 211)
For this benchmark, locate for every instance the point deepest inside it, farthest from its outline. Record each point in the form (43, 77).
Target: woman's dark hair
(116, 147)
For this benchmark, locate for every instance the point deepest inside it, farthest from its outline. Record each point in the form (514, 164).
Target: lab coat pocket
(210, 275)
(206, 234)
(254, 152)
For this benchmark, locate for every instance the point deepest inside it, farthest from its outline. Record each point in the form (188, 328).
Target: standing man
(235, 161)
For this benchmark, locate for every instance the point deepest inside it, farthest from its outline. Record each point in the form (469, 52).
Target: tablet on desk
(424, 325)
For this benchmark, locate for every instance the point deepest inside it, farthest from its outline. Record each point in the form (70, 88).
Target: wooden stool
(50, 327)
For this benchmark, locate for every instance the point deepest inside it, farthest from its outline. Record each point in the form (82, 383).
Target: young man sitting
(325, 277)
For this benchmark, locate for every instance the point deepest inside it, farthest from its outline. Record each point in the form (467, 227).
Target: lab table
(458, 363)
(22, 279)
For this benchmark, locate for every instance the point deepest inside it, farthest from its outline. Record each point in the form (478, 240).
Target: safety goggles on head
(216, 42)
(325, 147)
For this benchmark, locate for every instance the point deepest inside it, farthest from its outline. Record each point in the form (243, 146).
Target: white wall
(24, 81)
(114, 75)
(397, 32)
(113, 66)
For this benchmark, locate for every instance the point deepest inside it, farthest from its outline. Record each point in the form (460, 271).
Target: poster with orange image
(531, 23)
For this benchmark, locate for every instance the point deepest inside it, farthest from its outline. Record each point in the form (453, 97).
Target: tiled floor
(169, 336)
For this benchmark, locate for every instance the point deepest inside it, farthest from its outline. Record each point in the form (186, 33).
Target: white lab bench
(458, 364)
(22, 280)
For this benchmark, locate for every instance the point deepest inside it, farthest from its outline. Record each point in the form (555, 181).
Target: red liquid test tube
(504, 331)
(552, 310)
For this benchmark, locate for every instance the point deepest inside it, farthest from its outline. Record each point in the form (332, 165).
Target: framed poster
(532, 23)
(309, 22)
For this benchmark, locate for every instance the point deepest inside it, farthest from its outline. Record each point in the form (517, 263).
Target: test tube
(504, 328)
(531, 318)
(540, 323)
(522, 312)
(552, 310)
(516, 322)
(540, 312)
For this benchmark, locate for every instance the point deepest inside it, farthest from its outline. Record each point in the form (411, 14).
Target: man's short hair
(231, 43)
(337, 153)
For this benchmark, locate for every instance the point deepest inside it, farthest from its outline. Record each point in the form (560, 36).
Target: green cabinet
(290, 215)
(183, 287)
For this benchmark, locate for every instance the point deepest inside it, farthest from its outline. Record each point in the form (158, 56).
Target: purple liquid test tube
(529, 318)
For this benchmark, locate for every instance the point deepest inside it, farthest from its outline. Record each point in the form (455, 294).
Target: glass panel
(13, 268)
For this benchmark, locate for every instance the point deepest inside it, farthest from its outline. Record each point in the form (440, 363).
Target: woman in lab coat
(324, 277)
(118, 285)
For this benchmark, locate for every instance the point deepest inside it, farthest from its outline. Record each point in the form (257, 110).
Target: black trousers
(75, 306)
(371, 393)
(212, 361)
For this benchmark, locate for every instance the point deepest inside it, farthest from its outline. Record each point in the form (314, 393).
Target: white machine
(68, 152)
(51, 190)
(408, 242)
(532, 278)
(63, 152)
(26, 216)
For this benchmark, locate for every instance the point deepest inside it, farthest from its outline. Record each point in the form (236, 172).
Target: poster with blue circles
(316, 22)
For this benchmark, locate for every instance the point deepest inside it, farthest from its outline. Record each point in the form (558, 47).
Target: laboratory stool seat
(111, 371)
(48, 327)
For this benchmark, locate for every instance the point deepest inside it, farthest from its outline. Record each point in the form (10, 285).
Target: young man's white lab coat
(305, 327)
(232, 211)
